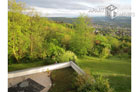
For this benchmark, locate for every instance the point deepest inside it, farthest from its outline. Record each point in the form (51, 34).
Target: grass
(62, 80)
(14, 67)
(117, 70)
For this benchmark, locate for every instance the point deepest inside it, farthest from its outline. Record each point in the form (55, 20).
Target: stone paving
(40, 78)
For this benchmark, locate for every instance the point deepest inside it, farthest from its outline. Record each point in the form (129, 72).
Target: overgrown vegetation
(35, 41)
(77, 83)
(32, 38)
(87, 83)
(62, 80)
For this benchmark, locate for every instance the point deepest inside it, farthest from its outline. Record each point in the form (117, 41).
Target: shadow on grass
(120, 83)
(15, 67)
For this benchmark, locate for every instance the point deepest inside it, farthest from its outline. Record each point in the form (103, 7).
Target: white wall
(45, 68)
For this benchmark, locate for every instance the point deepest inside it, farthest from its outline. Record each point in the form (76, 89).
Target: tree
(82, 40)
(17, 27)
(102, 46)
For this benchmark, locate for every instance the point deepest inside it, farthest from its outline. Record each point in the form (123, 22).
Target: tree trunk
(15, 55)
(31, 45)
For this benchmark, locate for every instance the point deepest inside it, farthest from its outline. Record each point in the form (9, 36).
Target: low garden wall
(45, 68)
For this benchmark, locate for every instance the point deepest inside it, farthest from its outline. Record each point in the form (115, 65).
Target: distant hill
(62, 19)
(116, 22)
(103, 21)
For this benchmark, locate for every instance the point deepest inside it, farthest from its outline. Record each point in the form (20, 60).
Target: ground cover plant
(62, 80)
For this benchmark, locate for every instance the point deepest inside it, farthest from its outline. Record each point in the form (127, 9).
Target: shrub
(68, 56)
(97, 50)
(102, 41)
(126, 47)
(80, 44)
(83, 83)
(11, 59)
(54, 52)
(115, 44)
(105, 53)
(48, 61)
(101, 85)
(102, 47)
(58, 54)
(87, 83)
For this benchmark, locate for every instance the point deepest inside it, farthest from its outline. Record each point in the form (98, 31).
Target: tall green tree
(82, 40)
(17, 27)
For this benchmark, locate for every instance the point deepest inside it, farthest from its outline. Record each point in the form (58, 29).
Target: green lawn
(14, 67)
(117, 70)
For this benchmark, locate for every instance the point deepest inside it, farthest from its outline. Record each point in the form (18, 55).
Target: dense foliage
(88, 84)
(32, 38)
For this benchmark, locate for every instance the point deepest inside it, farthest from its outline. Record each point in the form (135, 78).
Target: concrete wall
(45, 68)
(77, 68)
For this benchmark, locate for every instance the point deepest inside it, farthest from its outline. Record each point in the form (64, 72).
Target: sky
(73, 8)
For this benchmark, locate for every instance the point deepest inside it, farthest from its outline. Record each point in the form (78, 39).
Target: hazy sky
(73, 8)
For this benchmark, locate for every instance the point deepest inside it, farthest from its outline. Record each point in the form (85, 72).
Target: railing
(45, 68)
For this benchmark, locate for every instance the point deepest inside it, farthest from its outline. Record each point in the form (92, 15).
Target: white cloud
(70, 8)
(50, 12)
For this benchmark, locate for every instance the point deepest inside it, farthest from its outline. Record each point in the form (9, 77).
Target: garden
(36, 41)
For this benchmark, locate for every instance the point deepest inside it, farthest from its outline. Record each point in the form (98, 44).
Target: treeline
(32, 38)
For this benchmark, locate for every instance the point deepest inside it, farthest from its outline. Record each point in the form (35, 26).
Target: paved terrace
(40, 78)
(38, 75)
